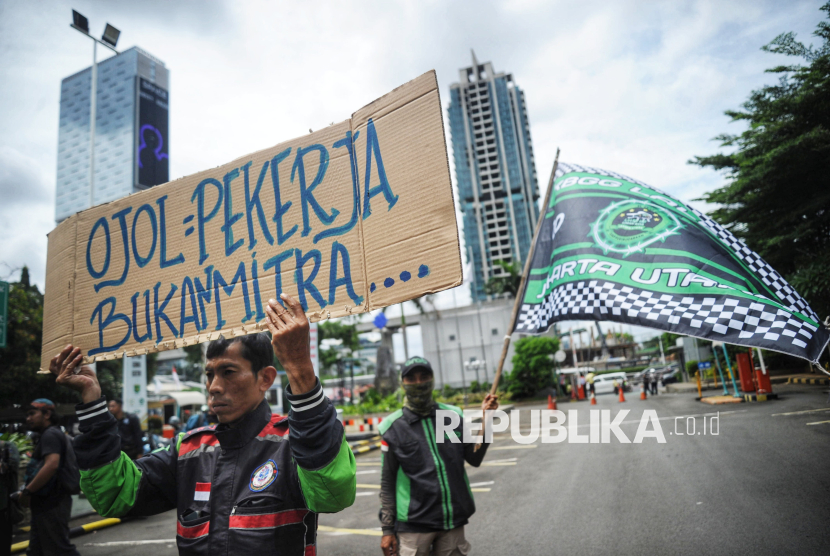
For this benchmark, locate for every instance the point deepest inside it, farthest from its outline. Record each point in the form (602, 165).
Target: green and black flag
(612, 248)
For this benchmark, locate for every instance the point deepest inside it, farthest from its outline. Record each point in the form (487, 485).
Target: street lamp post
(108, 39)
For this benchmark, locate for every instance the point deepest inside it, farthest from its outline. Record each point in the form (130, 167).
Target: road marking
(365, 494)
(497, 463)
(366, 472)
(516, 447)
(501, 460)
(801, 412)
(485, 483)
(377, 487)
(369, 532)
(818, 423)
(170, 542)
(368, 464)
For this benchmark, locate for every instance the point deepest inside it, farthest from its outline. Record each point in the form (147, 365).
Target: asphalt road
(760, 486)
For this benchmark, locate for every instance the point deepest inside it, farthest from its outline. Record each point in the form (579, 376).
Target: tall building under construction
(494, 169)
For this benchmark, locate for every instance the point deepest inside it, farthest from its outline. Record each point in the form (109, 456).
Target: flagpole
(518, 302)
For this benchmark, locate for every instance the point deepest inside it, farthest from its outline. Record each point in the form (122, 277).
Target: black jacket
(424, 485)
(254, 488)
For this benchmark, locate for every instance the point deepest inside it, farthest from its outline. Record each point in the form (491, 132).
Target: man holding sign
(255, 481)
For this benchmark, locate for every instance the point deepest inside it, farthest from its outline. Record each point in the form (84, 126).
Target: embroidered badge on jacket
(263, 476)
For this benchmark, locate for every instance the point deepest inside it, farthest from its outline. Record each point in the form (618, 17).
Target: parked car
(670, 375)
(604, 383)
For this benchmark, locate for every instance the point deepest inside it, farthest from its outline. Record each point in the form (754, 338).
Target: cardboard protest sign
(347, 219)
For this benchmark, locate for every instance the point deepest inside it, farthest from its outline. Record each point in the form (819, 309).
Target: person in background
(9, 464)
(424, 491)
(202, 419)
(51, 476)
(129, 429)
(176, 423)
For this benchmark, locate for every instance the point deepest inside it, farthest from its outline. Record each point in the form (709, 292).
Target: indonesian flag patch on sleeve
(202, 492)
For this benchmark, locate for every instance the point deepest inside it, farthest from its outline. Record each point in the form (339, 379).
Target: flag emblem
(202, 492)
(630, 226)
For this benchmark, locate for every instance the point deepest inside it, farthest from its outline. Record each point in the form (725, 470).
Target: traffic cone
(593, 399)
(622, 396)
(573, 394)
(643, 393)
(551, 403)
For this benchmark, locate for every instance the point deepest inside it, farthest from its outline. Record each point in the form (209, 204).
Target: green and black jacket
(254, 488)
(424, 485)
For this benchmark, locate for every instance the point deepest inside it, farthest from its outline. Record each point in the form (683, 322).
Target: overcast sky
(636, 87)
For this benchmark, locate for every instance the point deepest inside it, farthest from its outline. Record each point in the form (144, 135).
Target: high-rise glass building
(131, 131)
(494, 169)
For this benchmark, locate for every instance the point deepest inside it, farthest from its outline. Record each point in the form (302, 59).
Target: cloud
(25, 214)
(634, 87)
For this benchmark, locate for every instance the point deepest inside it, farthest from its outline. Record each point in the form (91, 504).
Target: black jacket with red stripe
(253, 488)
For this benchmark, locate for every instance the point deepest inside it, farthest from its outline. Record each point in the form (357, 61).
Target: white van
(604, 384)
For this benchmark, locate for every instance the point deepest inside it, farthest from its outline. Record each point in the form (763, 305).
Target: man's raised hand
(66, 366)
(490, 402)
(290, 340)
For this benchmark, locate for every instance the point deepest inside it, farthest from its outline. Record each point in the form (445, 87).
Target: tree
(532, 365)
(509, 284)
(777, 197)
(20, 359)
(336, 330)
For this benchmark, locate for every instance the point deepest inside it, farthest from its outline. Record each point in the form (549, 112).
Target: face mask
(419, 397)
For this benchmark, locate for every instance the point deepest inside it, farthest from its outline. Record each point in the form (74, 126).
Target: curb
(759, 397)
(363, 446)
(74, 532)
(814, 381)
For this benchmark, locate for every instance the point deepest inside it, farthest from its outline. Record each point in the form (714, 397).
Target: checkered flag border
(785, 293)
(725, 318)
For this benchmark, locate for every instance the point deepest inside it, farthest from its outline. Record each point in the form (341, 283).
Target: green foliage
(336, 330)
(23, 442)
(777, 197)
(473, 400)
(532, 365)
(373, 402)
(669, 341)
(448, 391)
(476, 387)
(691, 367)
(505, 284)
(20, 359)
(110, 377)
